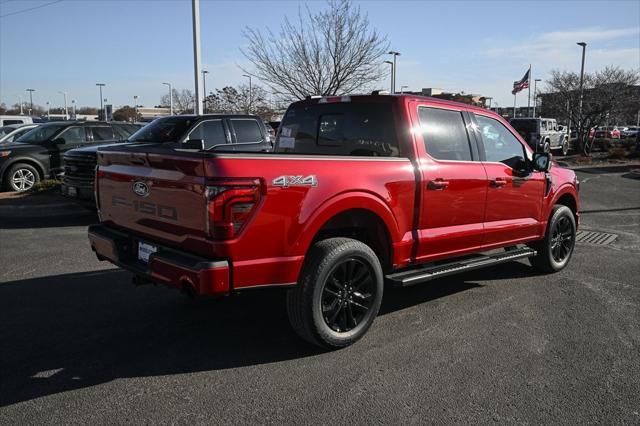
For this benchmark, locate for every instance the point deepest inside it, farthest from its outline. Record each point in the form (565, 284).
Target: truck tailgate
(158, 193)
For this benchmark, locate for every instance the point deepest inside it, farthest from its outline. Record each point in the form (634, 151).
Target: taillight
(230, 204)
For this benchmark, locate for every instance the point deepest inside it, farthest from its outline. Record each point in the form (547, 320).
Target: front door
(514, 197)
(70, 138)
(453, 187)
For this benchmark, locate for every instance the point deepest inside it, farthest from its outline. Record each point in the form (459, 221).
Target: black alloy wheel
(562, 239)
(348, 294)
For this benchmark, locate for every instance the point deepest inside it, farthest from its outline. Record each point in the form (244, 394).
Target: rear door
(248, 134)
(514, 198)
(454, 184)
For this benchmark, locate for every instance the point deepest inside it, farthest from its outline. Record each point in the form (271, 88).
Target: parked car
(351, 198)
(6, 120)
(37, 154)
(214, 132)
(629, 132)
(542, 134)
(11, 132)
(604, 132)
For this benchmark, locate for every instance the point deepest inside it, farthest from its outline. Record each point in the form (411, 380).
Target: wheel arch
(24, 160)
(566, 198)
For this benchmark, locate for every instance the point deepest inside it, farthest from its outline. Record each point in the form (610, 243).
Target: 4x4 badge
(297, 180)
(140, 188)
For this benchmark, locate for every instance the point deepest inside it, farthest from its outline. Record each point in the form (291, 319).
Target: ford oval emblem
(140, 188)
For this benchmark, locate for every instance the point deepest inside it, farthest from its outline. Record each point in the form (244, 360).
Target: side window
(211, 132)
(73, 135)
(330, 132)
(444, 133)
(7, 122)
(103, 133)
(247, 130)
(500, 146)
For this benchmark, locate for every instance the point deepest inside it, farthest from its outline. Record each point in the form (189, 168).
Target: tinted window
(525, 126)
(40, 134)
(73, 135)
(166, 129)
(121, 131)
(8, 122)
(247, 131)
(445, 135)
(344, 128)
(211, 131)
(500, 145)
(102, 133)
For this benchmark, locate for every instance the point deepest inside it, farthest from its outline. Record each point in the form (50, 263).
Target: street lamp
(395, 69)
(135, 106)
(402, 88)
(20, 103)
(101, 85)
(170, 98)
(105, 118)
(250, 91)
(30, 99)
(66, 111)
(48, 111)
(204, 90)
(584, 48)
(391, 77)
(535, 98)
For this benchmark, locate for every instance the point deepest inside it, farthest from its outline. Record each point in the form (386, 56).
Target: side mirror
(542, 161)
(194, 144)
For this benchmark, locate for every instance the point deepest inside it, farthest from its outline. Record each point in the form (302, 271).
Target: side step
(415, 276)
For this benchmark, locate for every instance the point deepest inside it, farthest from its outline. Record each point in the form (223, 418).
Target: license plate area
(72, 191)
(145, 250)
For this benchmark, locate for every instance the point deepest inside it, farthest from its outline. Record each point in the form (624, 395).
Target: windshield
(6, 130)
(527, 126)
(166, 129)
(41, 133)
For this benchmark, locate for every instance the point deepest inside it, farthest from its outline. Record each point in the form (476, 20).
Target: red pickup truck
(358, 192)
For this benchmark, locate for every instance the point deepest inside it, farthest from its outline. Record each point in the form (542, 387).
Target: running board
(415, 276)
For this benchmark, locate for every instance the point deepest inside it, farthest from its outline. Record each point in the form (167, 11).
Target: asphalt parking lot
(80, 344)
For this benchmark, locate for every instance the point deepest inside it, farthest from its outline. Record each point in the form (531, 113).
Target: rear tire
(338, 295)
(555, 250)
(21, 177)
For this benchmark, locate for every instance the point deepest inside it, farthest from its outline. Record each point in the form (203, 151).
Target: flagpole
(514, 104)
(529, 95)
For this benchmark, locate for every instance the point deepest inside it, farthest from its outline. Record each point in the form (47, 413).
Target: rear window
(350, 129)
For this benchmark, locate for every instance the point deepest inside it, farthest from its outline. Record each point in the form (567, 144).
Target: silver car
(11, 132)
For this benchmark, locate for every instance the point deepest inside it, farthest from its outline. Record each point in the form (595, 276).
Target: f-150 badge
(287, 181)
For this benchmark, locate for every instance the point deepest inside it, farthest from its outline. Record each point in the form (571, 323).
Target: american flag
(523, 83)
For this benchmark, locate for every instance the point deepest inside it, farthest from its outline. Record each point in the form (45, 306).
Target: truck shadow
(72, 331)
(82, 217)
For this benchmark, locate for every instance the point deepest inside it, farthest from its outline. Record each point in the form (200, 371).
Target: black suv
(37, 154)
(213, 132)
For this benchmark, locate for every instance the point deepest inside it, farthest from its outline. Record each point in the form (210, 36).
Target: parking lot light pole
(250, 91)
(66, 111)
(135, 106)
(170, 98)
(197, 64)
(204, 90)
(73, 108)
(20, 103)
(101, 85)
(395, 70)
(30, 99)
(584, 48)
(391, 77)
(535, 99)
(48, 110)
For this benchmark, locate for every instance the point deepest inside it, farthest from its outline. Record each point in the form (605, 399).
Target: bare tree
(332, 52)
(183, 101)
(607, 95)
(125, 113)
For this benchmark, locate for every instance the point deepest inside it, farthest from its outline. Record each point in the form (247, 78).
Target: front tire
(555, 250)
(21, 177)
(565, 147)
(338, 295)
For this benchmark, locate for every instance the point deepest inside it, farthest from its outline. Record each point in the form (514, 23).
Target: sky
(133, 46)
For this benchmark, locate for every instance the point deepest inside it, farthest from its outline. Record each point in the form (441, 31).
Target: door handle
(437, 184)
(498, 182)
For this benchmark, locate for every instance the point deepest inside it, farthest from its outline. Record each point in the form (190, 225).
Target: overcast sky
(135, 45)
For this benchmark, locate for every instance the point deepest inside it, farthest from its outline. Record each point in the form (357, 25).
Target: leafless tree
(607, 95)
(331, 52)
(183, 101)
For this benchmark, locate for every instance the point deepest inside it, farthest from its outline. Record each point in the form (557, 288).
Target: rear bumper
(167, 266)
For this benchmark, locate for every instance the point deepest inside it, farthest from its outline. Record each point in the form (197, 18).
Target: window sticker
(286, 131)
(287, 142)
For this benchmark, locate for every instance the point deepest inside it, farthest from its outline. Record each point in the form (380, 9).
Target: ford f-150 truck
(359, 191)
